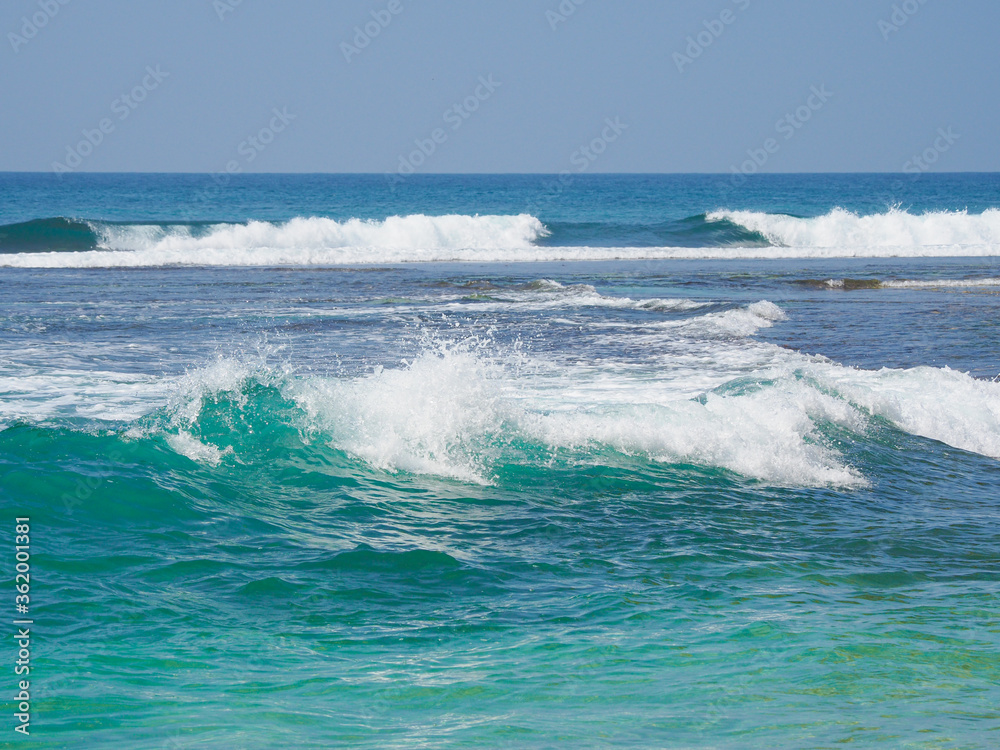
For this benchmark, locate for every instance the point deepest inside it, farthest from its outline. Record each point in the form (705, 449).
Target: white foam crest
(452, 412)
(183, 399)
(741, 321)
(188, 445)
(440, 414)
(941, 404)
(456, 410)
(135, 236)
(769, 431)
(302, 241)
(226, 375)
(769, 435)
(935, 232)
(316, 233)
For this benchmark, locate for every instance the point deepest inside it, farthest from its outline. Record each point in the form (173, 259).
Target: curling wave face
(300, 241)
(712, 396)
(457, 413)
(896, 232)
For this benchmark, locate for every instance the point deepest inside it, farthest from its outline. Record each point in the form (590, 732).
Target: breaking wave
(68, 243)
(464, 409)
(933, 233)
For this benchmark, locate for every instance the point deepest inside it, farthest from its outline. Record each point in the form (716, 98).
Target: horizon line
(493, 174)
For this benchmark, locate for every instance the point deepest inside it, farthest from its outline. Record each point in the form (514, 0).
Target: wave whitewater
(457, 413)
(300, 241)
(68, 243)
(931, 233)
(463, 410)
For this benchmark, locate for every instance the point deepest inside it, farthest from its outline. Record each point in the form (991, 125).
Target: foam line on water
(361, 256)
(91, 396)
(940, 283)
(548, 294)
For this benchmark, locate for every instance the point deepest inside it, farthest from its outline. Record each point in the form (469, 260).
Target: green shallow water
(305, 600)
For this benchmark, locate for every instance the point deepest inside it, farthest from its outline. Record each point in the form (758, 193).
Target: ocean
(580, 461)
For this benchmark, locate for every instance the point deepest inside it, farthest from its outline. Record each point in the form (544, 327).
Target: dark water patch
(367, 559)
(846, 285)
(692, 231)
(61, 234)
(47, 235)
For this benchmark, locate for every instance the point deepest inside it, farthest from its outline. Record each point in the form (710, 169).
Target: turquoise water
(716, 468)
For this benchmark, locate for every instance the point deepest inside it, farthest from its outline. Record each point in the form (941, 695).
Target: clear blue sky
(231, 63)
